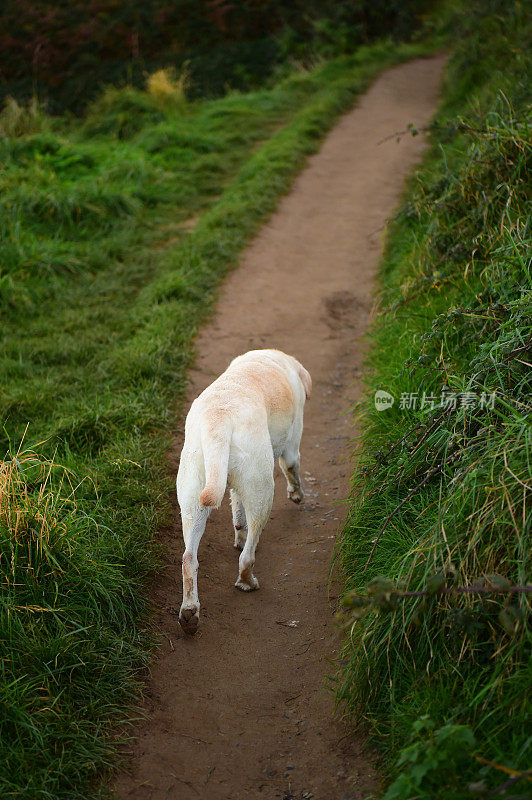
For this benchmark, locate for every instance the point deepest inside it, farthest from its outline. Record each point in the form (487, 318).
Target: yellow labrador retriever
(236, 429)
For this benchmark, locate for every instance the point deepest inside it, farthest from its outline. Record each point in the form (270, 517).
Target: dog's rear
(249, 417)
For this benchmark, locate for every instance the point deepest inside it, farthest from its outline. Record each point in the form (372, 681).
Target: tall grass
(68, 630)
(442, 488)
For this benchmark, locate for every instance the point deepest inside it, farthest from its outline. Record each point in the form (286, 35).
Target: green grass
(102, 289)
(444, 680)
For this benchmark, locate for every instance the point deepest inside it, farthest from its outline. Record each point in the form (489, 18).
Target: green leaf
(354, 600)
(456, 734)
(380, 585)
(508, 618)
(435, 583)
(498, 582)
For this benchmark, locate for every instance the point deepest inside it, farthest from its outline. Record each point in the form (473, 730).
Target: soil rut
(242, 710)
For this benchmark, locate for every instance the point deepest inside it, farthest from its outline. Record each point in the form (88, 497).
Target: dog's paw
(296, 496)
(189, 619)
(246, 586)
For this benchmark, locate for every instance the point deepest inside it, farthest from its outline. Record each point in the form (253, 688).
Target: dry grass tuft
(17, 119)
(167, 88)
(29, 505)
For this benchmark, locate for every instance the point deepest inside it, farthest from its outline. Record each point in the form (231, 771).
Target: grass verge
(101, 291)
(436, 550)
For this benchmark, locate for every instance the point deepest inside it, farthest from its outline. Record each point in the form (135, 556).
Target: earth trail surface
(242, 710)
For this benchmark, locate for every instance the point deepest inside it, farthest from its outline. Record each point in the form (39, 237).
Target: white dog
(236, 429)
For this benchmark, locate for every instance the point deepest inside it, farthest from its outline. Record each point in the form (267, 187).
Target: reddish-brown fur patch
(245, 575)
(207, 498)
(274, 387)
(188, 574)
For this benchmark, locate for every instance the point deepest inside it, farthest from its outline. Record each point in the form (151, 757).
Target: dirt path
(241, 710)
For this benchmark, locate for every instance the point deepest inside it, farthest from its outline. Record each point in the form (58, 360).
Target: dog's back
(251, 408)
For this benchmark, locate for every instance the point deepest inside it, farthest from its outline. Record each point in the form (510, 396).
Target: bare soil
(243, 709)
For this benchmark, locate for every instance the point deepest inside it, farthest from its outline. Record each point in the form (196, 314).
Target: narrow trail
(242, 709)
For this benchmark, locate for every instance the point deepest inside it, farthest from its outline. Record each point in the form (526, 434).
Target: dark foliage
(66, 50)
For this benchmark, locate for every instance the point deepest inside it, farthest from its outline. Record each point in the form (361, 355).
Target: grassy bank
(436, 551)
(115, 232)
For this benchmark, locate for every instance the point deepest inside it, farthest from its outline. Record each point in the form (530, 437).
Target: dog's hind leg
(289, 461)
(257, 498)
(290, 468)
(239, 520)
(194, 518)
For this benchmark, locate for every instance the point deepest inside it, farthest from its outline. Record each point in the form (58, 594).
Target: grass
(67, 610)
(102, 288)
(441, 491)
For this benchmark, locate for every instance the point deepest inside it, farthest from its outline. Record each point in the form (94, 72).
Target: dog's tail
(216, 441)
(305, 379)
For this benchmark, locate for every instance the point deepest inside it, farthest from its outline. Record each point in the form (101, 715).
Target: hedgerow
(436, 550)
